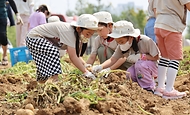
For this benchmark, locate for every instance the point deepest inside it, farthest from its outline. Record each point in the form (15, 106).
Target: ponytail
(135, 45)
(77, 41)
(84, 46)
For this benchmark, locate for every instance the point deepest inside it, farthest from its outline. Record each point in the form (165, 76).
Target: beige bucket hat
(53, 19)
(104, 17)
(124, 28)
(86, 21)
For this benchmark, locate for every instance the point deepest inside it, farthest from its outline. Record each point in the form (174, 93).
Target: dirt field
(116, 95)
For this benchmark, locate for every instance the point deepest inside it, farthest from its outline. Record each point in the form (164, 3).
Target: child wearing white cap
(104, 46)
(138, 49)
(44, 42)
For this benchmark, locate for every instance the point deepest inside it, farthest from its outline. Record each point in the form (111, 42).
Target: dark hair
(24, 0)
(135, 45)
(43, 8)
(104, 24)
(84, 45)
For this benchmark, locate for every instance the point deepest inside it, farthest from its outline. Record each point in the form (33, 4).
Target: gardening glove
(135, 57)
(87, 65)
(105, 72)
(89, 75)
(97, 68)
(18, 19)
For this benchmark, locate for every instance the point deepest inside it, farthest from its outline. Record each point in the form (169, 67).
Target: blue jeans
(149, 29)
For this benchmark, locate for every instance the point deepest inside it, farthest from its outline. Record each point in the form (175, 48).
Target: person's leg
(18, 34)
(46, 57)
(24, 30)
(163, 62)
(125, 65)
(145, 70)
(104, 53)
(3, 40)
(175, 53)
(4, 52)
(131, 74)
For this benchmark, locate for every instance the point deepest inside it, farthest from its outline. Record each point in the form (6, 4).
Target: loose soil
(119, 97)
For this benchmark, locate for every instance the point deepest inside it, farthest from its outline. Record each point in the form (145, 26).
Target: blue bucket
(20, 54)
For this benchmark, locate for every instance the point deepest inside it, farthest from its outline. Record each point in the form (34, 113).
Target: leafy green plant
(10, 97)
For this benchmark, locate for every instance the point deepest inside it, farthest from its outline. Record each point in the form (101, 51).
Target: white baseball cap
(86, 21)
(124, 28)
(53, 19)
(104, 17)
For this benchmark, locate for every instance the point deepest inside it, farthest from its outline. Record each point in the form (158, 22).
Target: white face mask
(126, 46)
(83, 38)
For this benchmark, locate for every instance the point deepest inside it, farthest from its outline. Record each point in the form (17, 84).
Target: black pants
(3, 31)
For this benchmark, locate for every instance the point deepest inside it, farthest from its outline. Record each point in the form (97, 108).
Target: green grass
(187, 48)
(11, 35)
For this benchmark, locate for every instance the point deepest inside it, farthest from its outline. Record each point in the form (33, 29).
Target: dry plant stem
(50, 85)
(143, 110)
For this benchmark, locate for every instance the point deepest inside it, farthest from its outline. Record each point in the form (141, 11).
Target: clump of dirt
(76, 95)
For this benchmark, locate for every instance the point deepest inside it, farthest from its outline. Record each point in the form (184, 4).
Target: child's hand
(133, 58)
(96, 68)
(89, 75)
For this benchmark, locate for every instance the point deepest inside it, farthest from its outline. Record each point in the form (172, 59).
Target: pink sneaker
(159, 91)
(174, 94)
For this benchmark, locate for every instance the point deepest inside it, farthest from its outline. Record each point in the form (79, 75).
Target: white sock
(162, 70)
(171, 74)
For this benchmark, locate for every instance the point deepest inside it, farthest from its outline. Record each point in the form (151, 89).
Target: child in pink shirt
(38, 17)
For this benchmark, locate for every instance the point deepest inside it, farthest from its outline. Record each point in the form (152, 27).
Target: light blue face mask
(83, 38)
(125, 47)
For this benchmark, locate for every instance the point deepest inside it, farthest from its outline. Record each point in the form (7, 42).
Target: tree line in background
(136, 16)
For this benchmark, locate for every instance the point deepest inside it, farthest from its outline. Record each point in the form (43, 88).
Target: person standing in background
(25, 8)
(149, 27)
(3, 27)
(11, 21)
(38, 17)
(169, 25)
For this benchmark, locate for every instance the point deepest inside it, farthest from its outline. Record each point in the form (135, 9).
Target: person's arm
(154, 12)
(188, 6)
(154, 7)
(83, 62)
(13, 6)
(96, 44)
(75, 60)
(91, 59)
(149, 57)
(108, 63)
(118, 63)
(31, 6)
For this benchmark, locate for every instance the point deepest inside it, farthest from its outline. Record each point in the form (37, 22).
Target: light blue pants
(149, 29)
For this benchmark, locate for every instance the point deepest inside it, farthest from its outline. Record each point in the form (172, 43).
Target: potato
(29, 106)
(24, 112)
